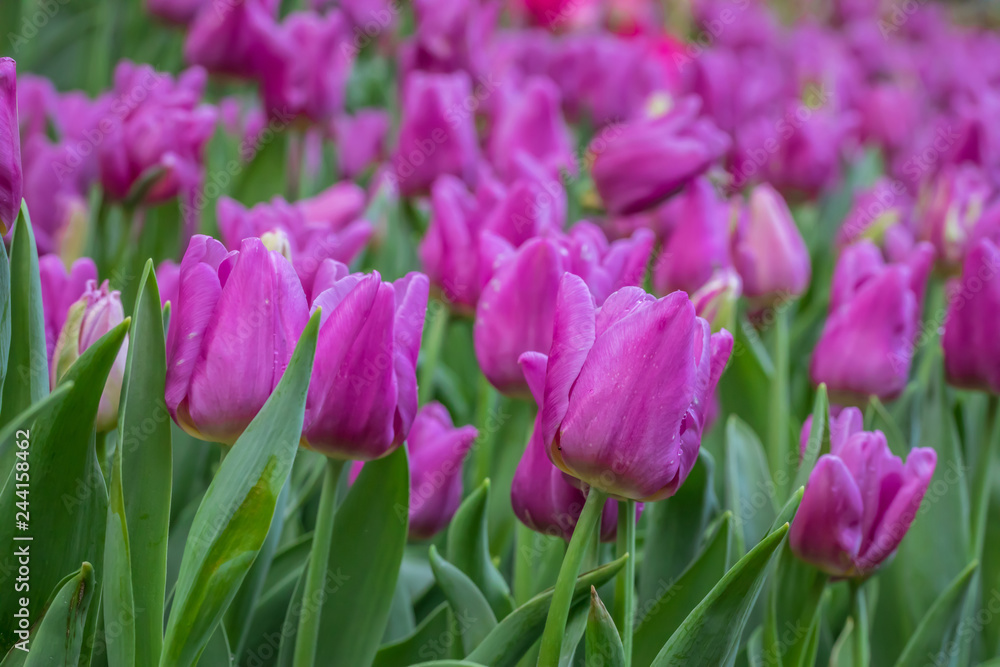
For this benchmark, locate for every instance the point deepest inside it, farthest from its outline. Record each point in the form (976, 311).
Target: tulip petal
(826, 531)
(411, 293)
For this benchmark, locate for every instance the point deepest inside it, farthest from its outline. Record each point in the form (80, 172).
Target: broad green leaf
(8, 442)
(145, 455)
(119, 602)
(69, 499)
(27, 369)
(711, 634)
(369, 535)
(431, 639)
(792, 612)
(537, 558)
(516, 633)
(217, 653)
(674, 529)
(470, 607)
(749, 370)
(576, 626)
(750, 493)
(604, 646)
(60, 636)
(264, 176)
(661, 616)
(819, 438)
(235, 514)
(469, 550)
(449, 663)
(936, 633)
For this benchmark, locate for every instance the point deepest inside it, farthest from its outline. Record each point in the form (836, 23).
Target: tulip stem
(777, 441)
(562, 596)
(319, 555)
(625, 582)
(859, 612)
(432, 348)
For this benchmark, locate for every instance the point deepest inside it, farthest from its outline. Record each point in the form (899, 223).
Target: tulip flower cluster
(379, 333)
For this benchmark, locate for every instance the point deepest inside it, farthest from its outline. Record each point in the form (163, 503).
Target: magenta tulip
(60, 290)
(842, 426)
(232, 331)
(530, 120)
(971, 353)
(361, 140)
(10, 147)
(950, 210)
(232, 37)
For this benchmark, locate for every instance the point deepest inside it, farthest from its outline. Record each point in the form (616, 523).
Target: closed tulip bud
(231, 38)
(627, 388)
(97, 312)
(858, 504)
(436, 450)
(867, 343)
(971, 353)
(531, 121)
(437, 133)
(768, 250)
(698, 245)
(949, 211)
(11, 181)
(717, 299)
(60, 290)
(233, 328)
(652, 158)
(363, 395)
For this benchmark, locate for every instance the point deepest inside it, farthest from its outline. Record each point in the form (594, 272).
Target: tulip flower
(698, 245)
(873, 212)
(516, 309)
(971, 355)
(231, 38)
(867, 343)
(60, 290)
(323, 227)
(950, 210)
(768, 250)
(842, 426)
(10, 147)
(437, 133)
(97, 312)
(654, 157)
(436, 450)
(716, 301)
(534, 203)
(360, 140)
(363, 395)
(626, 389)
(232, 331)
(530, 120)
(449, 36)
(858, 504)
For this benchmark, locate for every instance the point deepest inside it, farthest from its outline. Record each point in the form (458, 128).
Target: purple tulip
(60, 290)
(717, 299)
(156, 129)
(530, 120)
(874, 211)
(437, 133)
(971, 353)
(232, 37)
(363, 395)
(360, 140)
(450, 36)
(436, 449)
(950, 211)
(233, 328)
(867, 343)
(626, 389)
(654, 157)
(607, 267)
(842, 426)
(858, 504)
(10, 147)
(698, 246)
(533, 204)
(168, 277)
(323, 227)
(768, 250)
(97, 312)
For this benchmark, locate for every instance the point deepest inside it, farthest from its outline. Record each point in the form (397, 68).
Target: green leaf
(819, 437)
(472, 611)
(604, 646)
(661, 616)
(46, 405)
(449, 663)
(217, 652)
(4, 323)
(516, 633)
(290, 627)
(60, 636)
(369, 535)
(792, 612)
(264, 176)
(69, 499)
(469, 550)
(119, 602)
(749, 370)
(711, 634)
(936, 633)
(143, 463)
(750, 493)
(235, 514)
(26, 380)
(431, 639)
(674, 529)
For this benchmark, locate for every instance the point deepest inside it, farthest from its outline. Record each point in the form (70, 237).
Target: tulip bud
(11, 181)
(95, 314)
(363, 395)
(867, 342)
(858, 504)
(60, 290)
(717, 299)
(654, 157)
(234, 39)
(232, 331)
(530, 121)
(627, 388)
(971, 355)
(768, 249)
